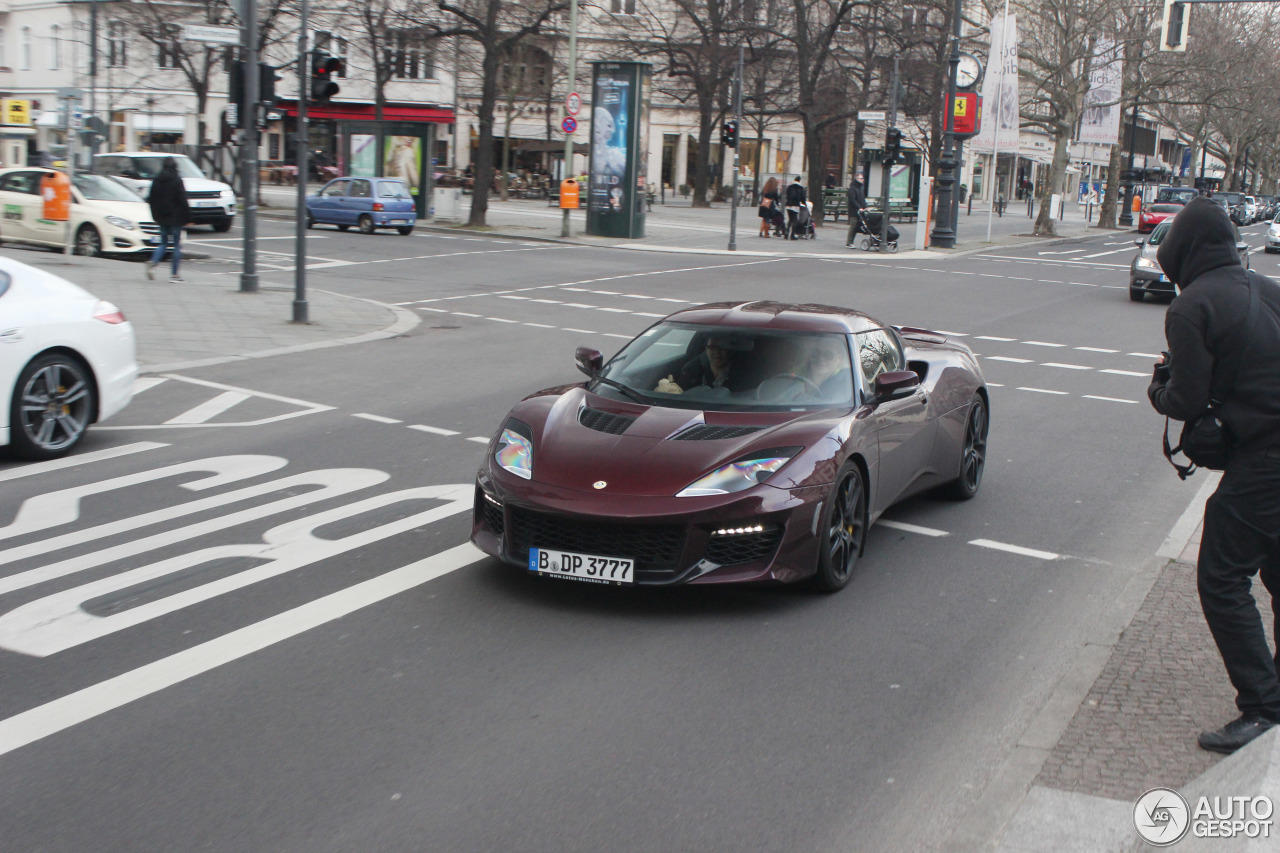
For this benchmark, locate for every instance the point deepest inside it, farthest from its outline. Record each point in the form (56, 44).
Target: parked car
(1178, 195)
(737, 442)
(1235, 207)
(367, 203)
(213, 203)
(1251, 209)
(67, 360)
(1145, 274)
(1273, 236)
(106, 217)
(1153, 214)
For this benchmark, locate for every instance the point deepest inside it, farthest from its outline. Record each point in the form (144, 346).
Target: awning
(365, 112)
(159, 123)
(11, 131)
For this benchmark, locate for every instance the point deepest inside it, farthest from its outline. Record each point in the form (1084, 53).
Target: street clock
(968, 71)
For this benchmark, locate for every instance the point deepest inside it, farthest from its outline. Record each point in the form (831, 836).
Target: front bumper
(205, 215)
(1150, 281)
(673, 540)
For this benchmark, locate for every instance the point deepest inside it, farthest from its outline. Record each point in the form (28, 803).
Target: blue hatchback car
(367, 203)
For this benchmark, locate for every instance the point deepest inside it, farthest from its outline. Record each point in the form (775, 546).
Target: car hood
(134, 211)
(203, 185)
(658, 451)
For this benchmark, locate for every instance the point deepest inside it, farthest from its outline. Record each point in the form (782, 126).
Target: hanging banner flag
(1100, 122)
(1000, 120)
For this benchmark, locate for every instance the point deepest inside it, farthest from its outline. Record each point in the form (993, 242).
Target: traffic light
(267, 78)
(892, 145)
(729, 134)
(1173, 30)
(323, 67)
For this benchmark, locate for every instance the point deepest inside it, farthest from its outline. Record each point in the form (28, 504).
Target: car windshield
(102, 188)
(1178, 194)
(683, 365)
(1159, 232)
(1230, 198)
(392, 189)
(149, 167)
(1165, 208)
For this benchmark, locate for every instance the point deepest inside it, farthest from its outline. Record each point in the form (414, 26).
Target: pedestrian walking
(857, 206)
(770, 202)
(169, 208)
(1226, 320)
(796, 197)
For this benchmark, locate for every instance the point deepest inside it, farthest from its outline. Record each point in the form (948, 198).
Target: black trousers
(1241, 538)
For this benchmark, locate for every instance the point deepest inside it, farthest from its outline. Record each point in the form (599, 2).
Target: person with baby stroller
(795, 199)
(869, 228)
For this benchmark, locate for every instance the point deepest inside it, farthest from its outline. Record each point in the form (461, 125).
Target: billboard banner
(1100, 122)
(619, 155)
(1001, 121)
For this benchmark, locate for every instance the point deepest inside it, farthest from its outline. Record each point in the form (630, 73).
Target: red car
(1153, 214)
(733, 442)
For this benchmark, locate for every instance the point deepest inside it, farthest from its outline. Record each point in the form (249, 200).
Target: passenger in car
(714, 368)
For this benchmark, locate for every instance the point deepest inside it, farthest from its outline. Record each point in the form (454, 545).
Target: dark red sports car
(732, 442)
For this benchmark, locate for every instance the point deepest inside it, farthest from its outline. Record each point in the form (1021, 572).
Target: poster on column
(1000, 90)
(615, 197)
(364, 155)
(1100, 121)
(402, 160)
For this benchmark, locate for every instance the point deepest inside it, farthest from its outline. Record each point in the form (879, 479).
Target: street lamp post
(1126, 213)
(944, 232)
(565, 230)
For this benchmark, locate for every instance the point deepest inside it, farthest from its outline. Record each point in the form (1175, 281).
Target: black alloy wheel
(223, 225)
(52, 405)
(973, 451)
(366, 223)
(1136, 294)
(844, 530)
(88, 241)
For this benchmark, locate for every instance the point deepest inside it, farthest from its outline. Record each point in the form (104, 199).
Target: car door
(359, 200)
(904, 431)
(327, 205)
(24, 208)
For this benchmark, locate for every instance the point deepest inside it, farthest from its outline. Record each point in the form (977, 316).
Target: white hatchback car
(106, 217)
(67, 359)
(213, 203)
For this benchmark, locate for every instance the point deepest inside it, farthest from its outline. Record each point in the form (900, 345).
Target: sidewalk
(207, 320)
(677, 227)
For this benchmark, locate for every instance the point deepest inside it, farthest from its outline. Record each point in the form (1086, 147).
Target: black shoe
(1234, 734)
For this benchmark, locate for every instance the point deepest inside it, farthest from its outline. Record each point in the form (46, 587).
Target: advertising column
(619, 159)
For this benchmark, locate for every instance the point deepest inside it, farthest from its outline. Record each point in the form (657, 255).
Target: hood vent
(602, 421)
(710, 432)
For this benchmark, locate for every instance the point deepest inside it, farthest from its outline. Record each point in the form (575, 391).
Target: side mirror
(896, 383)
(589, 360)
(1139, 243)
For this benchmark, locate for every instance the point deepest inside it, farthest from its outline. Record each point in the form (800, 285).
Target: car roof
(784, 316)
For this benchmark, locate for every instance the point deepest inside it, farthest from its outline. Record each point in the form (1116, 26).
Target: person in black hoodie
(795, 198)
(1206, 330)
(857, 206)
(169, 208)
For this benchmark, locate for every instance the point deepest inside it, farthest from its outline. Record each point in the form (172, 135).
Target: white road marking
(912, 528)
(426, 308)
(1145, 354)
(1014, 549)
(1066, 366)
(464, 314)
(1098, 349)
(1125, 373)
(305, 408)
(501, 320)
(33, 468)
(1066, 252)
(579, 331)
(1108, 399)
(478, 439)
(646, 314)
(578, 305)
(513, 296)
(993, 338)
(540, 325)
(1043, 391)
(1108, 252)
(616, 310)
(1042, 344)
(1008, 358)
(63, 713)
(548, 301)
(433, 430)
(209, 409)
(375, 418)
(143, 383)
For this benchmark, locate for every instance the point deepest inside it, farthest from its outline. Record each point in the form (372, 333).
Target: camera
(1161, 372)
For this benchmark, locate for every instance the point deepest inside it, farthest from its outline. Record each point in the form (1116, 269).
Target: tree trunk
(1108, 211)
(504, 190)
(702, 164)
(1046, 225)
(484, 155)
(813, 162)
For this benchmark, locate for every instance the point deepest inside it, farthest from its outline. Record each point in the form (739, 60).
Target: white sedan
(106, 216)
(67, 359)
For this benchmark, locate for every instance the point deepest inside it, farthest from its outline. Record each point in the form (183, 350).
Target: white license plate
(207, 203)
(583, 567)
(1164, 277)
(399, 222)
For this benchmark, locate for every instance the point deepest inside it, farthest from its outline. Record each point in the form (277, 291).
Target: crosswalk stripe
(209, 409)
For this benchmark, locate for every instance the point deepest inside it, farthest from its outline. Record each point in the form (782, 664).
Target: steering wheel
(791, 379)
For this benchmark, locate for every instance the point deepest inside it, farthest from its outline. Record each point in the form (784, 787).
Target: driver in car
(711, 369)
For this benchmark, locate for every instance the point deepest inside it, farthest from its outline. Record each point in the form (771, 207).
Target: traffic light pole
(249, 146)
(944, 229)
(737, 147)
(565, 230)
(886, 172)
(302, 138)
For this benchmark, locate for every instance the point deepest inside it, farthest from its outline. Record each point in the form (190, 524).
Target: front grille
(602, 421)
(655, 548)
(733, 550)
(492, 517)
(711, 432)
(149, 228)
(204, 193)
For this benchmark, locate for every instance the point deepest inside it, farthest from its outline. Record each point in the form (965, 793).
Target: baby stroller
(870, 229)
(800, 226)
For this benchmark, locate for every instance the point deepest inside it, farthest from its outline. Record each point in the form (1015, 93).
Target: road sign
(70, 93)
(572, 103)
(870, 115)
(569, 125)
(214, 35)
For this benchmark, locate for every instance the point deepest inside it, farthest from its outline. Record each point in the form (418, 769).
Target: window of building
(622, 7)
(409, 57)
(117, 44)
(4, 59)
(525, 70)
(26, 48)
(169, 47)
(55, 47)
(80, 46)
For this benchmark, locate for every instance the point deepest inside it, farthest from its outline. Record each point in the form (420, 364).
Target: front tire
(52, 405)
(311, 220)
(222, 226)
(973, 452)
(844, 530)
(1136, 294)
(366, 223)
(88, 241)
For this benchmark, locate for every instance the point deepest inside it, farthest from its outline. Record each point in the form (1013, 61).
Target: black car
(1145, 275)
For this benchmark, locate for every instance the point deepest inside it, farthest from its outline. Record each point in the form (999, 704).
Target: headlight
(120, 223)
(1147, 264)
(515, 449)
(740, 475)
(228, 195)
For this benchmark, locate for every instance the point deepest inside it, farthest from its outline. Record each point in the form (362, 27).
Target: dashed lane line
(433, 430)
(1107, 399)
(378, 419)
(912, 528)
(1014, 549)
(1043, 391)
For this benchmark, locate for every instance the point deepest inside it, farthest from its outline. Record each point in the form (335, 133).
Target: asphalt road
(369, 682)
